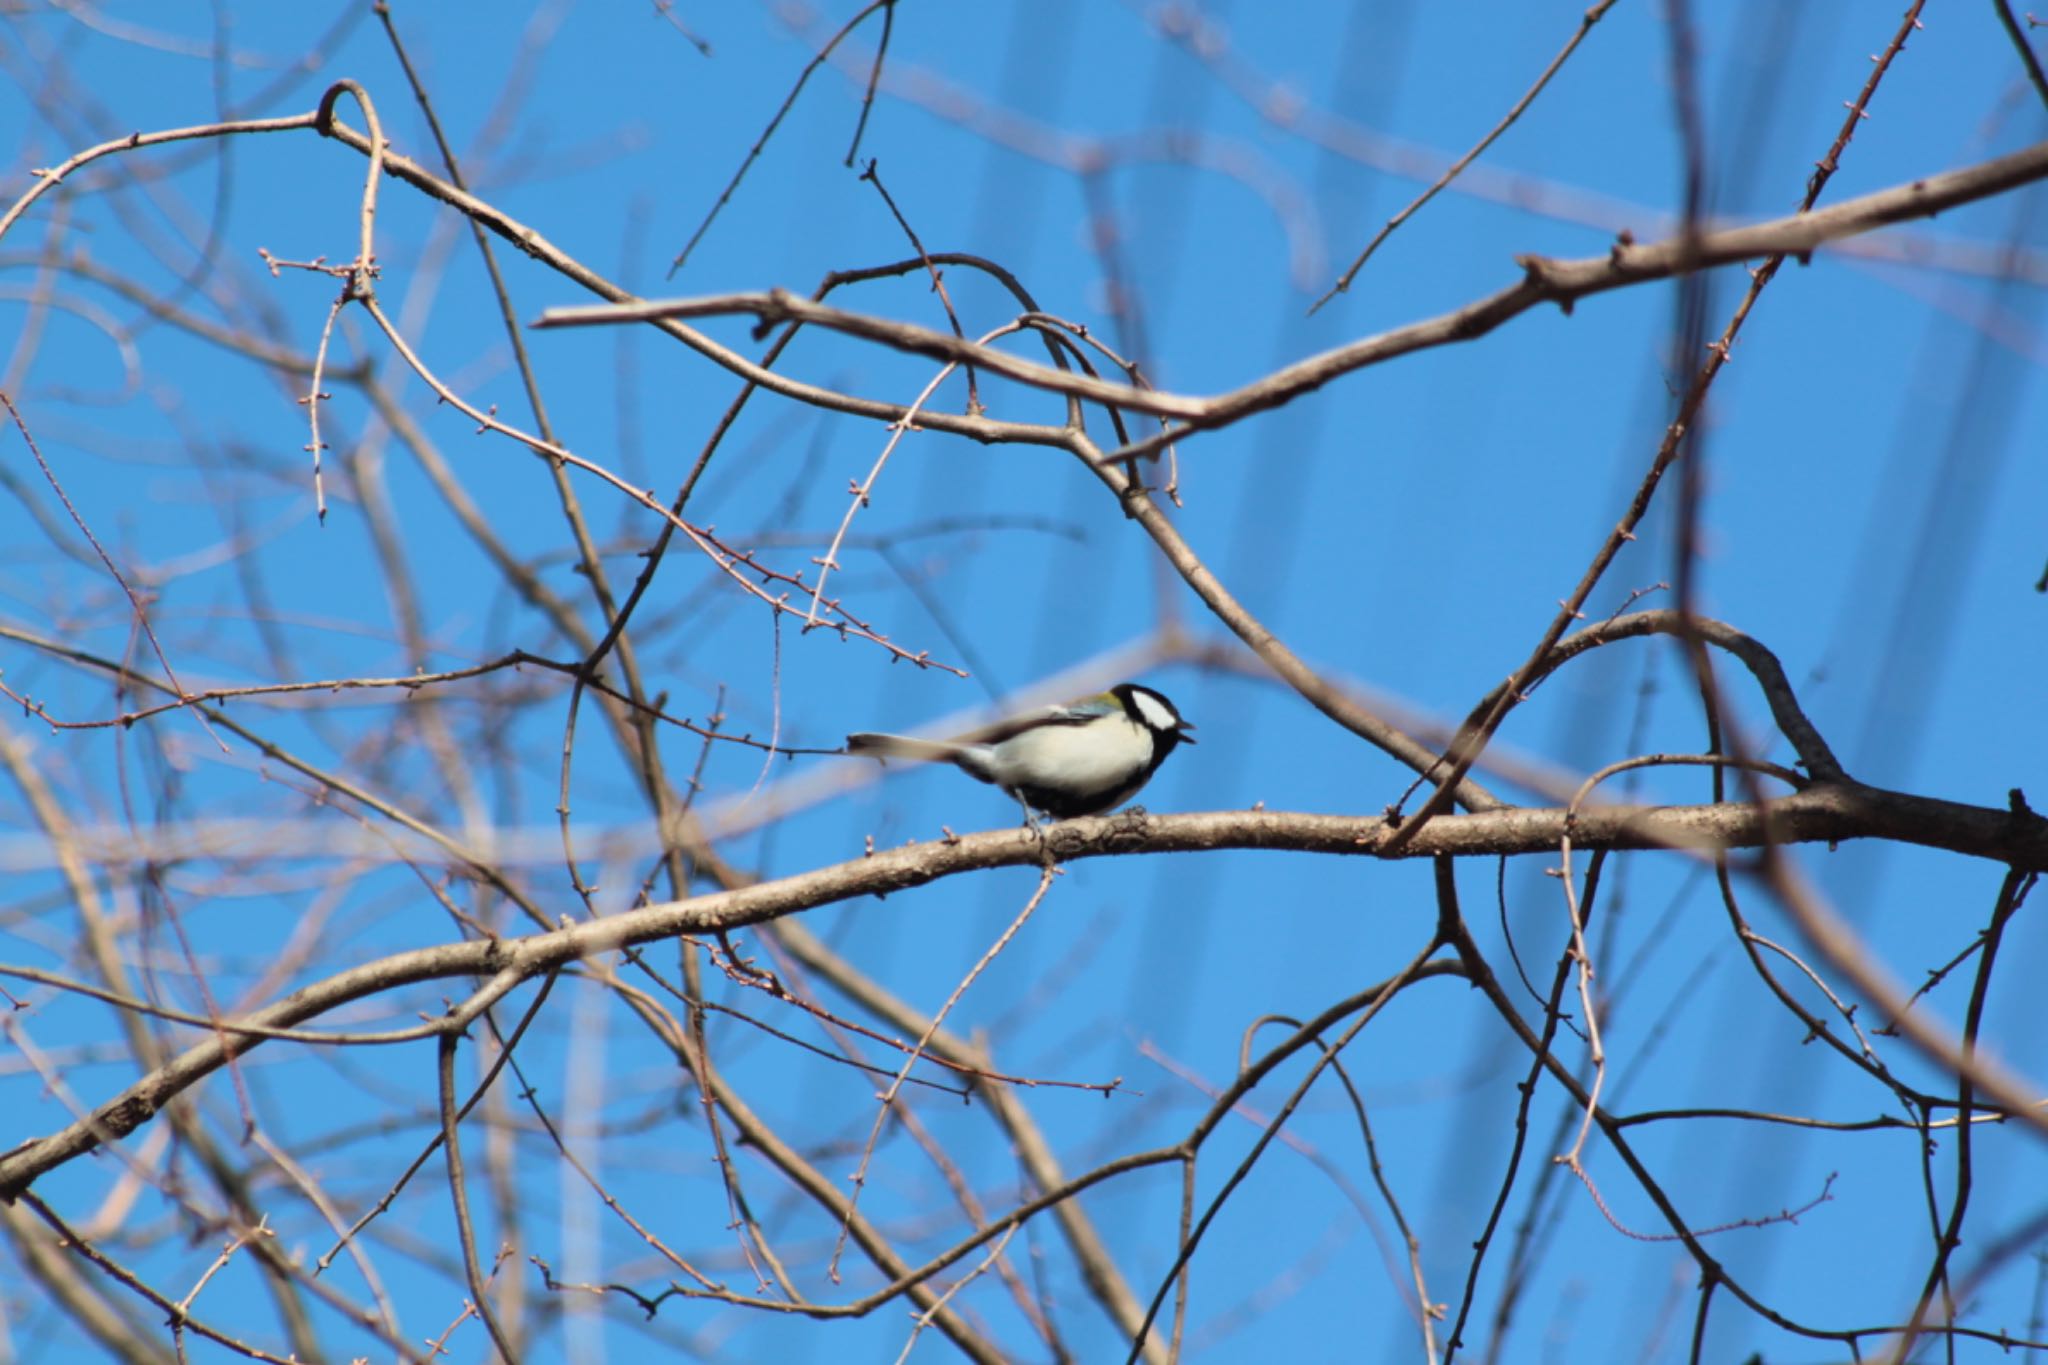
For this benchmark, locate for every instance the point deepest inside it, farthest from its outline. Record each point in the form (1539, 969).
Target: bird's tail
(903, 746)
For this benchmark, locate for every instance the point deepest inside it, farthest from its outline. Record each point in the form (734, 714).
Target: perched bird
(1077, 759)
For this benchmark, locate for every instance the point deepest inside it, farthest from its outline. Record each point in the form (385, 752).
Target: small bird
(1077, 759)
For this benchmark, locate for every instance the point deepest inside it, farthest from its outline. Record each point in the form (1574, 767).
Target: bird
(1079, 758)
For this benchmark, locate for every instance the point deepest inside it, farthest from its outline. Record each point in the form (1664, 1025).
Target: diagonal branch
(1544, 280)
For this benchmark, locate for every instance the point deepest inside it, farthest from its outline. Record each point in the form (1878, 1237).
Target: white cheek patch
(1153, 710)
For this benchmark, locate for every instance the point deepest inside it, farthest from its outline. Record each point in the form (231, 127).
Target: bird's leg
(1031, 822)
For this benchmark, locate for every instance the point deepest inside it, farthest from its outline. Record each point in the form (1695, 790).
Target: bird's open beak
(1185, 737)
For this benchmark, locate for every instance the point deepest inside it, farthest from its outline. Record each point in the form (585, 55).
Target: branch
(1544, 280)
(1824, 813)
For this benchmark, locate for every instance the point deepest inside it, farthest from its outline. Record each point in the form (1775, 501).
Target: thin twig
(938, 1019)
(761, 142)
(1451, 172)
(134, 601)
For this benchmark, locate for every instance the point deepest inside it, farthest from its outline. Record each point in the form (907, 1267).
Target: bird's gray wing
(1067, 713)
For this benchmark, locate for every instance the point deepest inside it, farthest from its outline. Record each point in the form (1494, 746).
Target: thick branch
(1823, 813)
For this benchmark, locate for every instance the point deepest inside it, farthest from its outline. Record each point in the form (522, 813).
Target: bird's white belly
(1071, 757)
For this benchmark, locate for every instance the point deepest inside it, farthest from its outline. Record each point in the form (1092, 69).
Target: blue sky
(1872, 480)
